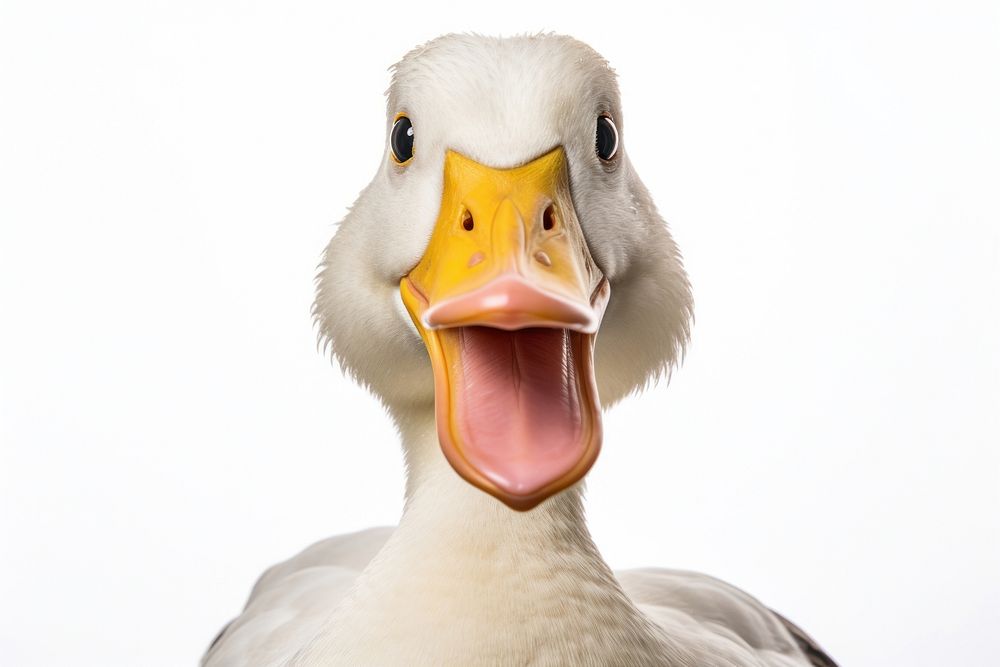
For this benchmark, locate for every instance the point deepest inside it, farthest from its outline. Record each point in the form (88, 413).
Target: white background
(170, 172)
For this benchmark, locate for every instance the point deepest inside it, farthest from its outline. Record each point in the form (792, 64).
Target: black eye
(401, 139)
(607, 138)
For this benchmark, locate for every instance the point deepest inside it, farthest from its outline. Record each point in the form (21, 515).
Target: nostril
(467, 222)
(549, 218)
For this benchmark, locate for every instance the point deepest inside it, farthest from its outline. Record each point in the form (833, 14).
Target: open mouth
(523, 405)
(508, 308)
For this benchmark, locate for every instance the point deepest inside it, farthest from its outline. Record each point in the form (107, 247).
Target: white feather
(464, 580)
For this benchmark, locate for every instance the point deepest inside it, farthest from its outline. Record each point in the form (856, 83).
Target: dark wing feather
(817, 656)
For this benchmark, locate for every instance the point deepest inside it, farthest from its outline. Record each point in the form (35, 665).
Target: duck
(503, 279)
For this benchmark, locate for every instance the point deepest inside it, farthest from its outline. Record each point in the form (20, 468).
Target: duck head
(506, 267)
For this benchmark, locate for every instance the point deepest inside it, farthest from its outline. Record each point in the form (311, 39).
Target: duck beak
(508, 301)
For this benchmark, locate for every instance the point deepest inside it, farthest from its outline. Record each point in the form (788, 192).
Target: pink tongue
(518, 405)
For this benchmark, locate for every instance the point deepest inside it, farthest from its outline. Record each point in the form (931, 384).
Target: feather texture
(464, 580)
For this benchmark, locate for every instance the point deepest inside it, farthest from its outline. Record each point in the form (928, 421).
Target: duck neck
(448, 512)
(484, 580)
(479, 549)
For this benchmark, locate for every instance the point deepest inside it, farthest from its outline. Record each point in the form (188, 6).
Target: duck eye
(607, 138)
(401, 139)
